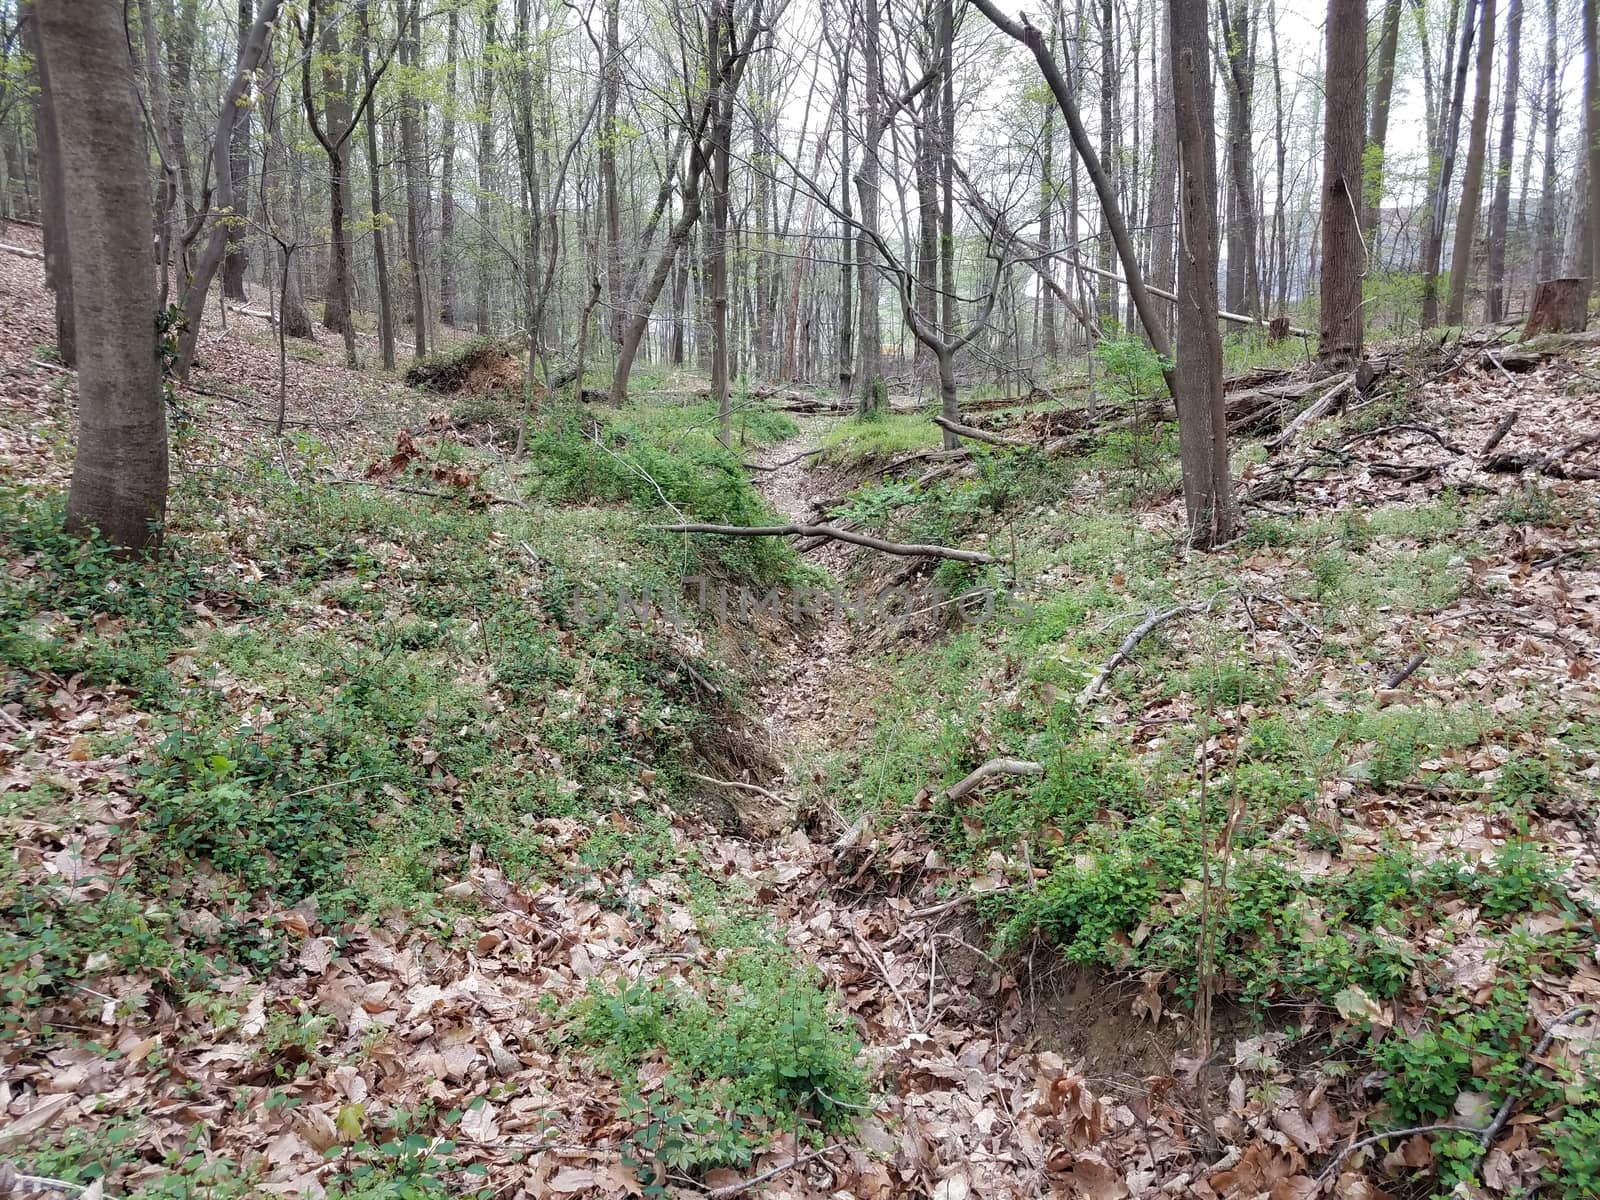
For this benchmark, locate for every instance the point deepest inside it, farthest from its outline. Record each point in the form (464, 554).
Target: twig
(1129, 645)
(1405, 672)
(14, 1183)
(1498, 433)
(733, 1189)
(883, 970)
(734, 783)
(788, 462)
(831, 532)
(1487, 1133)
(1403, 426)
(8, 248)
(995, 766)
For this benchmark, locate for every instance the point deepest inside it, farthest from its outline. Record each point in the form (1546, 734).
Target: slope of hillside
(370, 843)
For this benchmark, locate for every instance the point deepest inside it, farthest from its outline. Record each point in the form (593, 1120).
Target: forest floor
(417, 827)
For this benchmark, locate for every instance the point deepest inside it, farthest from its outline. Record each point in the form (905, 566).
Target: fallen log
(983, 435)
(995, 766)
(834, 534)
(23, 251)
(1315, 412)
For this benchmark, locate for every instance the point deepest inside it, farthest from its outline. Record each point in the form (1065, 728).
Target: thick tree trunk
(1559, 306)
(1500, 204)
(927, 177)
(1202, 419)
(1576, 251)
(1343, 257)
(119, 478)
(236, 263)
(1472, 180)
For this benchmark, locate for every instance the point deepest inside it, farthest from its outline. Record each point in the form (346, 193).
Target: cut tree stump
(1559, 306)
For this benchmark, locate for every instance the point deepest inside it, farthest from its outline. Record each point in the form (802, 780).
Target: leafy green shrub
(750, 1048)
(72, 605)
(697, 477)
(1574, 1141)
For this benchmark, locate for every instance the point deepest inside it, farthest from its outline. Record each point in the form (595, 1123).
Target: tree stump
(1559, 306)
(1278, 328)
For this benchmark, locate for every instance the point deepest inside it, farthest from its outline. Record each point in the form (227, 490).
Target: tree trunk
(947, 144)
(1202, 419)
(52, 198)
(869, 338)
(199, 284)
(1108, 145)
(380, 256)
(336, 119)
(1378, 125)
(1559, 306)
(1500, 204)
(1342, 255)
(1591, 112)
(608, 172)
(180, 71)
(486, 248)
(846, 312)
(235, 263)
(1047, 206)
(447, 188)
(1244, 286)
(1161, 209)
(1450, 132)
(1545, 237)
(722, 135)
(416, 197)
(119, 478)
(1472, 180)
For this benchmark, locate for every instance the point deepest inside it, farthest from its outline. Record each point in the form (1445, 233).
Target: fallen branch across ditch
(834, 534)
(983, 435)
